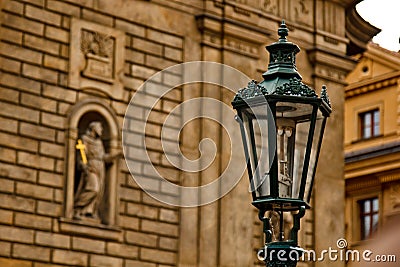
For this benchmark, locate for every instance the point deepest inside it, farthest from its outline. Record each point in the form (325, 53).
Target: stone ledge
(89, 229)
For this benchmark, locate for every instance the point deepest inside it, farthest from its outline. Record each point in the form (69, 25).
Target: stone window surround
(357, 111)
(355, 214)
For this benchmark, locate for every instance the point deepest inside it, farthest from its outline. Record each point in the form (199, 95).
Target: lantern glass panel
(259, 128)
(318, 133)
(302, 130)
(293, 127)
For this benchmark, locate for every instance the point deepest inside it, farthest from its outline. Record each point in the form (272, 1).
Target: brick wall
(35, 103)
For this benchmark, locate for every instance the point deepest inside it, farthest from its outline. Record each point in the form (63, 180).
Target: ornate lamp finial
(282, 61)
(283, 31)
(324, 95)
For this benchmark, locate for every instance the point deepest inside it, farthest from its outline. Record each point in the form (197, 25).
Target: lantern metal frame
(267, 202)
(282, 84)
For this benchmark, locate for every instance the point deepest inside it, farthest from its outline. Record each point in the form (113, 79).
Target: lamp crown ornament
(282, 73)
(295, 87)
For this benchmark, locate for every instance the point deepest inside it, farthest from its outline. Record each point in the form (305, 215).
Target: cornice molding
(371, 181)
(358, 31)
(369, 85)
(331, 65)
(372, 152)
(386, 178)
(365, 184)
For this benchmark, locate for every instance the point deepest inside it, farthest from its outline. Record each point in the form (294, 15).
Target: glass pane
(367, 206)
(367, 226)
(251, 151)
(375, 219)
(367, 120)
(376, 116)
(376, 130)
(285, 143)
(293, 124)
(375, 205)
(257, 122)
(314, 155)
(367, 127)
(302, 130)
(367, 132)
(376, 123)
(260, 129)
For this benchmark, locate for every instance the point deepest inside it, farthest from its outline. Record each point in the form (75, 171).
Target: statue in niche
(90, 190)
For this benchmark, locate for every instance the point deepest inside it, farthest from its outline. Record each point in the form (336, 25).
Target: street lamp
(282, 122)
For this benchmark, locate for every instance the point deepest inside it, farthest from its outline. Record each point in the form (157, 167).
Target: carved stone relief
(302, 11)
(241, 46)
(211, 39)
(328, 72)
(299, 11)
(395, 196)
(249, 46)
(96, 58)
(98, 49)
(269, 6)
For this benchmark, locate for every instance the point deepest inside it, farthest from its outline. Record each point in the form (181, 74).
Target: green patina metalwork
(282, 77)
(295, 87)
(324, 96)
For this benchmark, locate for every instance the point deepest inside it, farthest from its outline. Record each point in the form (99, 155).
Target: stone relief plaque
(96, 58)
(298, 11)
(269, 6)
(302, 11)
(241, 47)
(98, 49)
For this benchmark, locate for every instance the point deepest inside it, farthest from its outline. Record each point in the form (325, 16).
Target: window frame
(371, 213)
(353, 220)
(361, 123)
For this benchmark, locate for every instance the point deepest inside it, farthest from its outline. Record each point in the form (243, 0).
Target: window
(369, 215)
(370, 124)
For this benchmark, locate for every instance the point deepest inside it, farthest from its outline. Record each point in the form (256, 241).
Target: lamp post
(282, 123)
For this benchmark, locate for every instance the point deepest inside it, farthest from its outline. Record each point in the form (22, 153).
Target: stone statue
(90, 190)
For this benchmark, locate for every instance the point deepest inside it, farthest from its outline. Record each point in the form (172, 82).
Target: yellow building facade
(372, 144)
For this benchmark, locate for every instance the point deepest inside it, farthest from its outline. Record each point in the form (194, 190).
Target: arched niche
(79, 118)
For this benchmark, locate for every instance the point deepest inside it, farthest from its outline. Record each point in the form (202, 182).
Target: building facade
(69, 63)
(372, 144)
